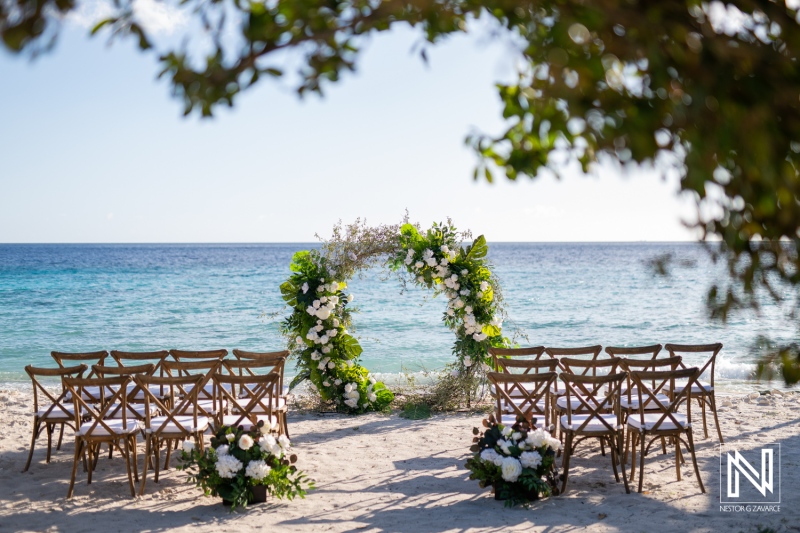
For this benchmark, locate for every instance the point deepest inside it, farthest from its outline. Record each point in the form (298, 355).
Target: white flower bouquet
(241, 464)
(517, 461)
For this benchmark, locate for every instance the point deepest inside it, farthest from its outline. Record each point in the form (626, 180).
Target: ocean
(83, 297)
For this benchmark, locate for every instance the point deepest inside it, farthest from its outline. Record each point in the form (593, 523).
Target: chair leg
(622, 463)
(634, 441)
(78, 450)
(126, 452)
(135, 459)
(60, 436)
(614, 456)
(156, 458)
(694, 460)
(565, 462)
(703, 405)
(169, 453)
(602, 448)
(663, 446)
(146, 463)
(627, 445)
(641, 463)
(678, 458)
(33, 443)
(286, 424)
(92, 460)
(49, 428)
(716, 419)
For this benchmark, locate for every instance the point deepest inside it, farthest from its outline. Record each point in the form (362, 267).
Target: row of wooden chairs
(598, 398)
(165, 403)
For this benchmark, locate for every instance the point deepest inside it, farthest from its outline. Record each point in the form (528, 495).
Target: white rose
(489, 455)
(324, 339)
(348, 387)
(331, 365)
(326, 383)
(337, 382)
(299, 340)
(459, 303)
(506, 431)
(336, 322)
(530, 459)
(450, 312)
(537, 438)
(246, 442)
(326, 349)
(266, 443)
(351, 403)
(445, 249)
(350, 297)
(187, 446)
(283, 440)
(373, 380)
(553, 443)
(230, 437)
(315, 304)
(484, 285)
(419, 264)
(511, 469)
(373, 397)
(467, 361)
(305, 287)
(335, 285)
(315, 355)
(468, 309)
(464, 272)
(324, 299)
(420, 279)
(409, 260)
(323, 313)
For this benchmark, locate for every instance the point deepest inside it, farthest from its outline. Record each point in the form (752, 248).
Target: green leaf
(289, 292)
(478, 250)
(99, 26)
(351, 346)
(299, 378)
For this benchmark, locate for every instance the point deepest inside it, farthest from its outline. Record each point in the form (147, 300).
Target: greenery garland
(328, 355)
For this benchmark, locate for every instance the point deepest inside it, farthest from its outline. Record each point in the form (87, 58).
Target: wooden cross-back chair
(134, 393)
(252, 399)
(513, 353)
(703, 390)
(263, 364)
(593, 412)
(535, 390)
(264, 357)
(634, 352)
(193, 355)
(51, 410)
(88, 358)
(583, 352)
(207, 401)
(180, 418)
(156, 358)
(665, 421)
(119, 433)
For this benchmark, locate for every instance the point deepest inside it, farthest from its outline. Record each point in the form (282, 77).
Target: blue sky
(94, 149)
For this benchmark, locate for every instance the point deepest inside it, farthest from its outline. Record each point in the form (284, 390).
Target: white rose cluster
(257, 470)
(227, 465)
(529, 444)
(351, 395)
(277, 447)
(511, 469)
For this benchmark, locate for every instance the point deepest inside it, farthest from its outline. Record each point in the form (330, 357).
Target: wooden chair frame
(513, 353)
(88, 440)
(57, 413)
(259, 391)
(535, 388)
(587, 389)
(88, 358)
(157, 431)
(704, 396)
(207, 368)
(651, 351)
(134, 394)
(638, 434)
(276, 366)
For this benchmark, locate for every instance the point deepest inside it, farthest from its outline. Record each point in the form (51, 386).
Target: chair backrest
(205, 368)
(709, 366)
(645, 365)
(506, 353)
(139, 358)
(638, 352)
(589, 367)
(584, 352)
(526, 366)
(273, 361)
(532, 391)
(58, 403)
(89, 358)
(179, 404)
(112, 396)
(184, 355)
(134, 392)
(664, 379)
(259, 392)
(595, 396)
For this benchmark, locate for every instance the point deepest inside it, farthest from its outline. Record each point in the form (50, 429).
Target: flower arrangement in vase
(242, 465)
(517, 461)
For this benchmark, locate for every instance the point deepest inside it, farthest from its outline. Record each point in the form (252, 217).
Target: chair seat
(135, 410)
(206, 406)
(208, 390)
(284, 392)
(648, 402)
(650, 419)
(541, 406)
(158, 424)
(698, 387)
(278, 404)
(57, 412)
(229, 420)
(594, 425)
(576, 404)
(116, 426)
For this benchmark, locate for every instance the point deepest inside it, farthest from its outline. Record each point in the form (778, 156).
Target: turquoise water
(144, 297)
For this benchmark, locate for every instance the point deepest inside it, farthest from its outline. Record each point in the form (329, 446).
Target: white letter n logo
(762, 483)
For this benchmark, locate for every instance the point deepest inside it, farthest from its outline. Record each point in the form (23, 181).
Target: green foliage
(416, 411)
(281, 477)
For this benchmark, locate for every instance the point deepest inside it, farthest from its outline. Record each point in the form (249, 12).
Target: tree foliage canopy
(709, 90)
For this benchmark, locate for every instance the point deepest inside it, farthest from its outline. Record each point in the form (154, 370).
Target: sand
(385, 473)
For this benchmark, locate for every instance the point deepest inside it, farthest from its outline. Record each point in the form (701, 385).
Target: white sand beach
(383, 473)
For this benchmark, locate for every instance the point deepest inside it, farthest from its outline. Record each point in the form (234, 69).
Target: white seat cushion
(207, 406)
(208, 389)
(515, 392)
(575, 402)
(57, 412)
(697, 388)
(229, 420)
(135, 410)
(133, 426)
(594, 425)
(507, 408)
(187, 422)
(278, 404)
(650, 420)
(648, 402)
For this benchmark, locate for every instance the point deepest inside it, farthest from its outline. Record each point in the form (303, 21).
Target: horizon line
(320, 242)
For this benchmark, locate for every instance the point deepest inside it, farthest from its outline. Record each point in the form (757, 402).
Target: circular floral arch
(318, 327)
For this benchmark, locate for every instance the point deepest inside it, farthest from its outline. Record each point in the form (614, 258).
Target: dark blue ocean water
(143, 297)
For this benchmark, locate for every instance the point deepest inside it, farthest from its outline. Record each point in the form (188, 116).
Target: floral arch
(318, 327)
